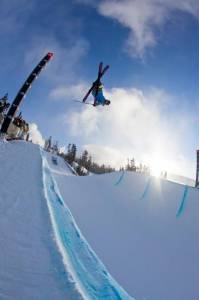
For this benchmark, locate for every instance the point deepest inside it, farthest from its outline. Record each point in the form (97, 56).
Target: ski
(105, 69)
(92, 87)
(83, 102)
(88, 93)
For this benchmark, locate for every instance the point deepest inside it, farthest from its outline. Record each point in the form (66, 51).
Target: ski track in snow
(91, 277)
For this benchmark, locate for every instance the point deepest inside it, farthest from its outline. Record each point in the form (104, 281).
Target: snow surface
(55, 227)
(91, 277)
(30, 266)
(50, 259)
(142, 229)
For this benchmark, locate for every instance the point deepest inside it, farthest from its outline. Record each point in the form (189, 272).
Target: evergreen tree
(131, 165)
(84, 158)
(71, 154)
(48, 144)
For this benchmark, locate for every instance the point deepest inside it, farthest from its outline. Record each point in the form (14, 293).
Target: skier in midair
(97, 93)
(97, 89)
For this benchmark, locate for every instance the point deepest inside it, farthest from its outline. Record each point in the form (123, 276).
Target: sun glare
(156, 171)
(157, 165)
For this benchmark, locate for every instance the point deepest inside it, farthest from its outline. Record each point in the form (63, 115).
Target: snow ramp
(67, 237)
(30, 265)
(145, 230)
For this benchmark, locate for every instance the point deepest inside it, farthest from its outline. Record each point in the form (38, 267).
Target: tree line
(84, 163)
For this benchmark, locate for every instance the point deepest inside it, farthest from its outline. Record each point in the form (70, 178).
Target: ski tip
(50, 55)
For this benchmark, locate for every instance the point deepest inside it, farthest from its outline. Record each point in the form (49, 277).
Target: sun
(157, 164)
(156, 170)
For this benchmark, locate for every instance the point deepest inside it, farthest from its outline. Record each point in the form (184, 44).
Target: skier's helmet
(107, 102)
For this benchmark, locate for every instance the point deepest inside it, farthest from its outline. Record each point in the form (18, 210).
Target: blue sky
(152, 47)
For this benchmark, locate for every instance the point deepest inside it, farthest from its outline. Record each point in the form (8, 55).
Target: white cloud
(85, 122)
(106, 155)
(35, 135)
(144, 17)
(64, 92)
(135, 125)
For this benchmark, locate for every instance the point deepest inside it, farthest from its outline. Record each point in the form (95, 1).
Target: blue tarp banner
(120, 179)
(183, 202)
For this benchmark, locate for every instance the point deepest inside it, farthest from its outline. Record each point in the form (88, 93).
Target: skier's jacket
(99, 97)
